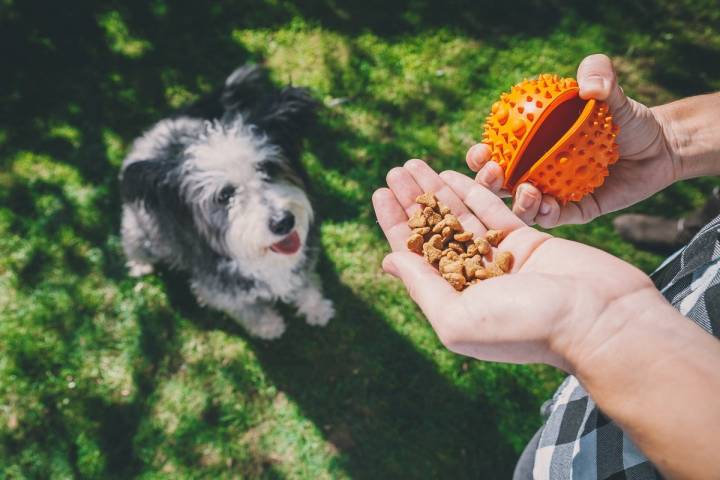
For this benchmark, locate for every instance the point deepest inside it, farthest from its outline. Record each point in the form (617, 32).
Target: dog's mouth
(288, 245)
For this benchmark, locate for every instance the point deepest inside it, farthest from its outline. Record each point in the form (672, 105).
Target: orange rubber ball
(542, 132)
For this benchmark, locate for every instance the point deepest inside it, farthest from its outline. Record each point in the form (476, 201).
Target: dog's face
(245, 198)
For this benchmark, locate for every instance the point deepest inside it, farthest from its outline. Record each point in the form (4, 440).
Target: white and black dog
(217, 191)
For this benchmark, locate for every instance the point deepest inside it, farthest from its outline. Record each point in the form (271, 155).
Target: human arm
(571, 306)
(658, 146)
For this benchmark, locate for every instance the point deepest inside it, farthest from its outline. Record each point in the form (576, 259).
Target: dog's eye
(269, 168)
(226, 194)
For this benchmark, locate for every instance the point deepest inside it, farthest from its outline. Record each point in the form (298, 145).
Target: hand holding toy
(646, 163)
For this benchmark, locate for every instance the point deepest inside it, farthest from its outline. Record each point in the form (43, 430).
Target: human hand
(561, 303)
(646, 163)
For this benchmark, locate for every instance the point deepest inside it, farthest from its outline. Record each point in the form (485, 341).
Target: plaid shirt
(578, 441)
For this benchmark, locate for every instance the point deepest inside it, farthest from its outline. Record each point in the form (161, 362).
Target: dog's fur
(200, 192)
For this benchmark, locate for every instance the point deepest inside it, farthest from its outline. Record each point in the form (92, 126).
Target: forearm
(658, 378)
(692, 128)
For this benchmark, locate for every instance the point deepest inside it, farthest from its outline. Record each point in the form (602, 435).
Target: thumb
(597, 79)
(424, 284)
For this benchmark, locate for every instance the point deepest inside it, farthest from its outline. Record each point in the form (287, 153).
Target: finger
(424, 284)
(597, 79)
(488, 207)
(392, 218)
(491, 176)
(549, 212)
(527, 203)
(405, 188)
(572, 213)
(477, 156)
(430, 181)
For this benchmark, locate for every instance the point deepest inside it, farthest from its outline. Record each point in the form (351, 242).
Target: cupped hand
(646, 163)
(551, 308)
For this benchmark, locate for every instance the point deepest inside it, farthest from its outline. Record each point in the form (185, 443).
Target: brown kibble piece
(427, 199)
(489, 271)
(421, 230)
(457, 280)
(415, 243)
(472, 265)
(482, 245)
(436, 241)
(446, 233)
(504, 261)
(417, 220)
(444, 209)
(463, 236)
(444, 261)
(432, 254)
(453, 222)
(451, 254)
(494, 237)
(439, 227)
(452, 267)
(472, 250)
(431, 217)
(482, 273)
(456, 246)
(434, 219)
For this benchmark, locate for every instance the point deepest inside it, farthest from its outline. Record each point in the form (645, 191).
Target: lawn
(107, 376)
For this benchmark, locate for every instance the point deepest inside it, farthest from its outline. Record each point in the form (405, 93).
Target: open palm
(541, 312)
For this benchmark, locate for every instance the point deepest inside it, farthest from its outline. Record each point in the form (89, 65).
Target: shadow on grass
(382, 404)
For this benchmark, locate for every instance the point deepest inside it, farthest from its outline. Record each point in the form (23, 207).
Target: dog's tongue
(287, 245)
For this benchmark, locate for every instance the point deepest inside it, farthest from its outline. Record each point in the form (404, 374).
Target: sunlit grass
(102, 375)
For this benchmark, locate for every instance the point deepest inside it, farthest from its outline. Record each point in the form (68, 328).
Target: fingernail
(595, 83)
(544, 208)
(487, 178)
(525, 200)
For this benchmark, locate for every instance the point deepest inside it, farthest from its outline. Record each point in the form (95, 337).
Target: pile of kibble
(462, 260)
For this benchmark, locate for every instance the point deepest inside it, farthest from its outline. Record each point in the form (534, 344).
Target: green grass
(104, 376)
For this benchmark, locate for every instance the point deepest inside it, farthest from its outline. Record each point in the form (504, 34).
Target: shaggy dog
(217, 191)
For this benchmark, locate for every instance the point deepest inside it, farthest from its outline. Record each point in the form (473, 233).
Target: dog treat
(415, 243)
(438, 235)
(504, 261)
(494, 237)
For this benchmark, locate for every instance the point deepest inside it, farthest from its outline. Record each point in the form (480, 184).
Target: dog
(217, 191)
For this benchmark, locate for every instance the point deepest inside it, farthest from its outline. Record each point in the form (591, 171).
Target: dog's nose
(282, 223)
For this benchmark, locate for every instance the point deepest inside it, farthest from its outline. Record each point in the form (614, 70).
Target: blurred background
(106, 376)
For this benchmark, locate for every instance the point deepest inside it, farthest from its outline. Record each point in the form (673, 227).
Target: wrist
(690, 135)
(620, 332)
(673, 139)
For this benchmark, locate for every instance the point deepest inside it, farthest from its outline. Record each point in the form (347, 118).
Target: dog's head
(233, 183)
(246, 198)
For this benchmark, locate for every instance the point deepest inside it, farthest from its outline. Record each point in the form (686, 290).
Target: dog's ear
(287, 118)
(245, 88)
(148, 181)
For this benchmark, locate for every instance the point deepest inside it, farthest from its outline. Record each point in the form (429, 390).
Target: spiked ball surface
(543, 133)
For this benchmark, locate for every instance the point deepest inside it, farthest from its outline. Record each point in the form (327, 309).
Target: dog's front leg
(260, 320)
(311, 304)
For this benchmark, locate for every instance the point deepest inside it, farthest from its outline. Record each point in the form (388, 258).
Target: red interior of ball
(559, 120)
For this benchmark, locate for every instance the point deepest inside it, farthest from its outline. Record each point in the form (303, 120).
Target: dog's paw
(139, 269)
(319, 313)
(268, 327)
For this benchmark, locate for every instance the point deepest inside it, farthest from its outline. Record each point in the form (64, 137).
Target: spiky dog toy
(542, 132)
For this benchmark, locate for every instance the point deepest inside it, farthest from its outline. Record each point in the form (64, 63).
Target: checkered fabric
(578, 441)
